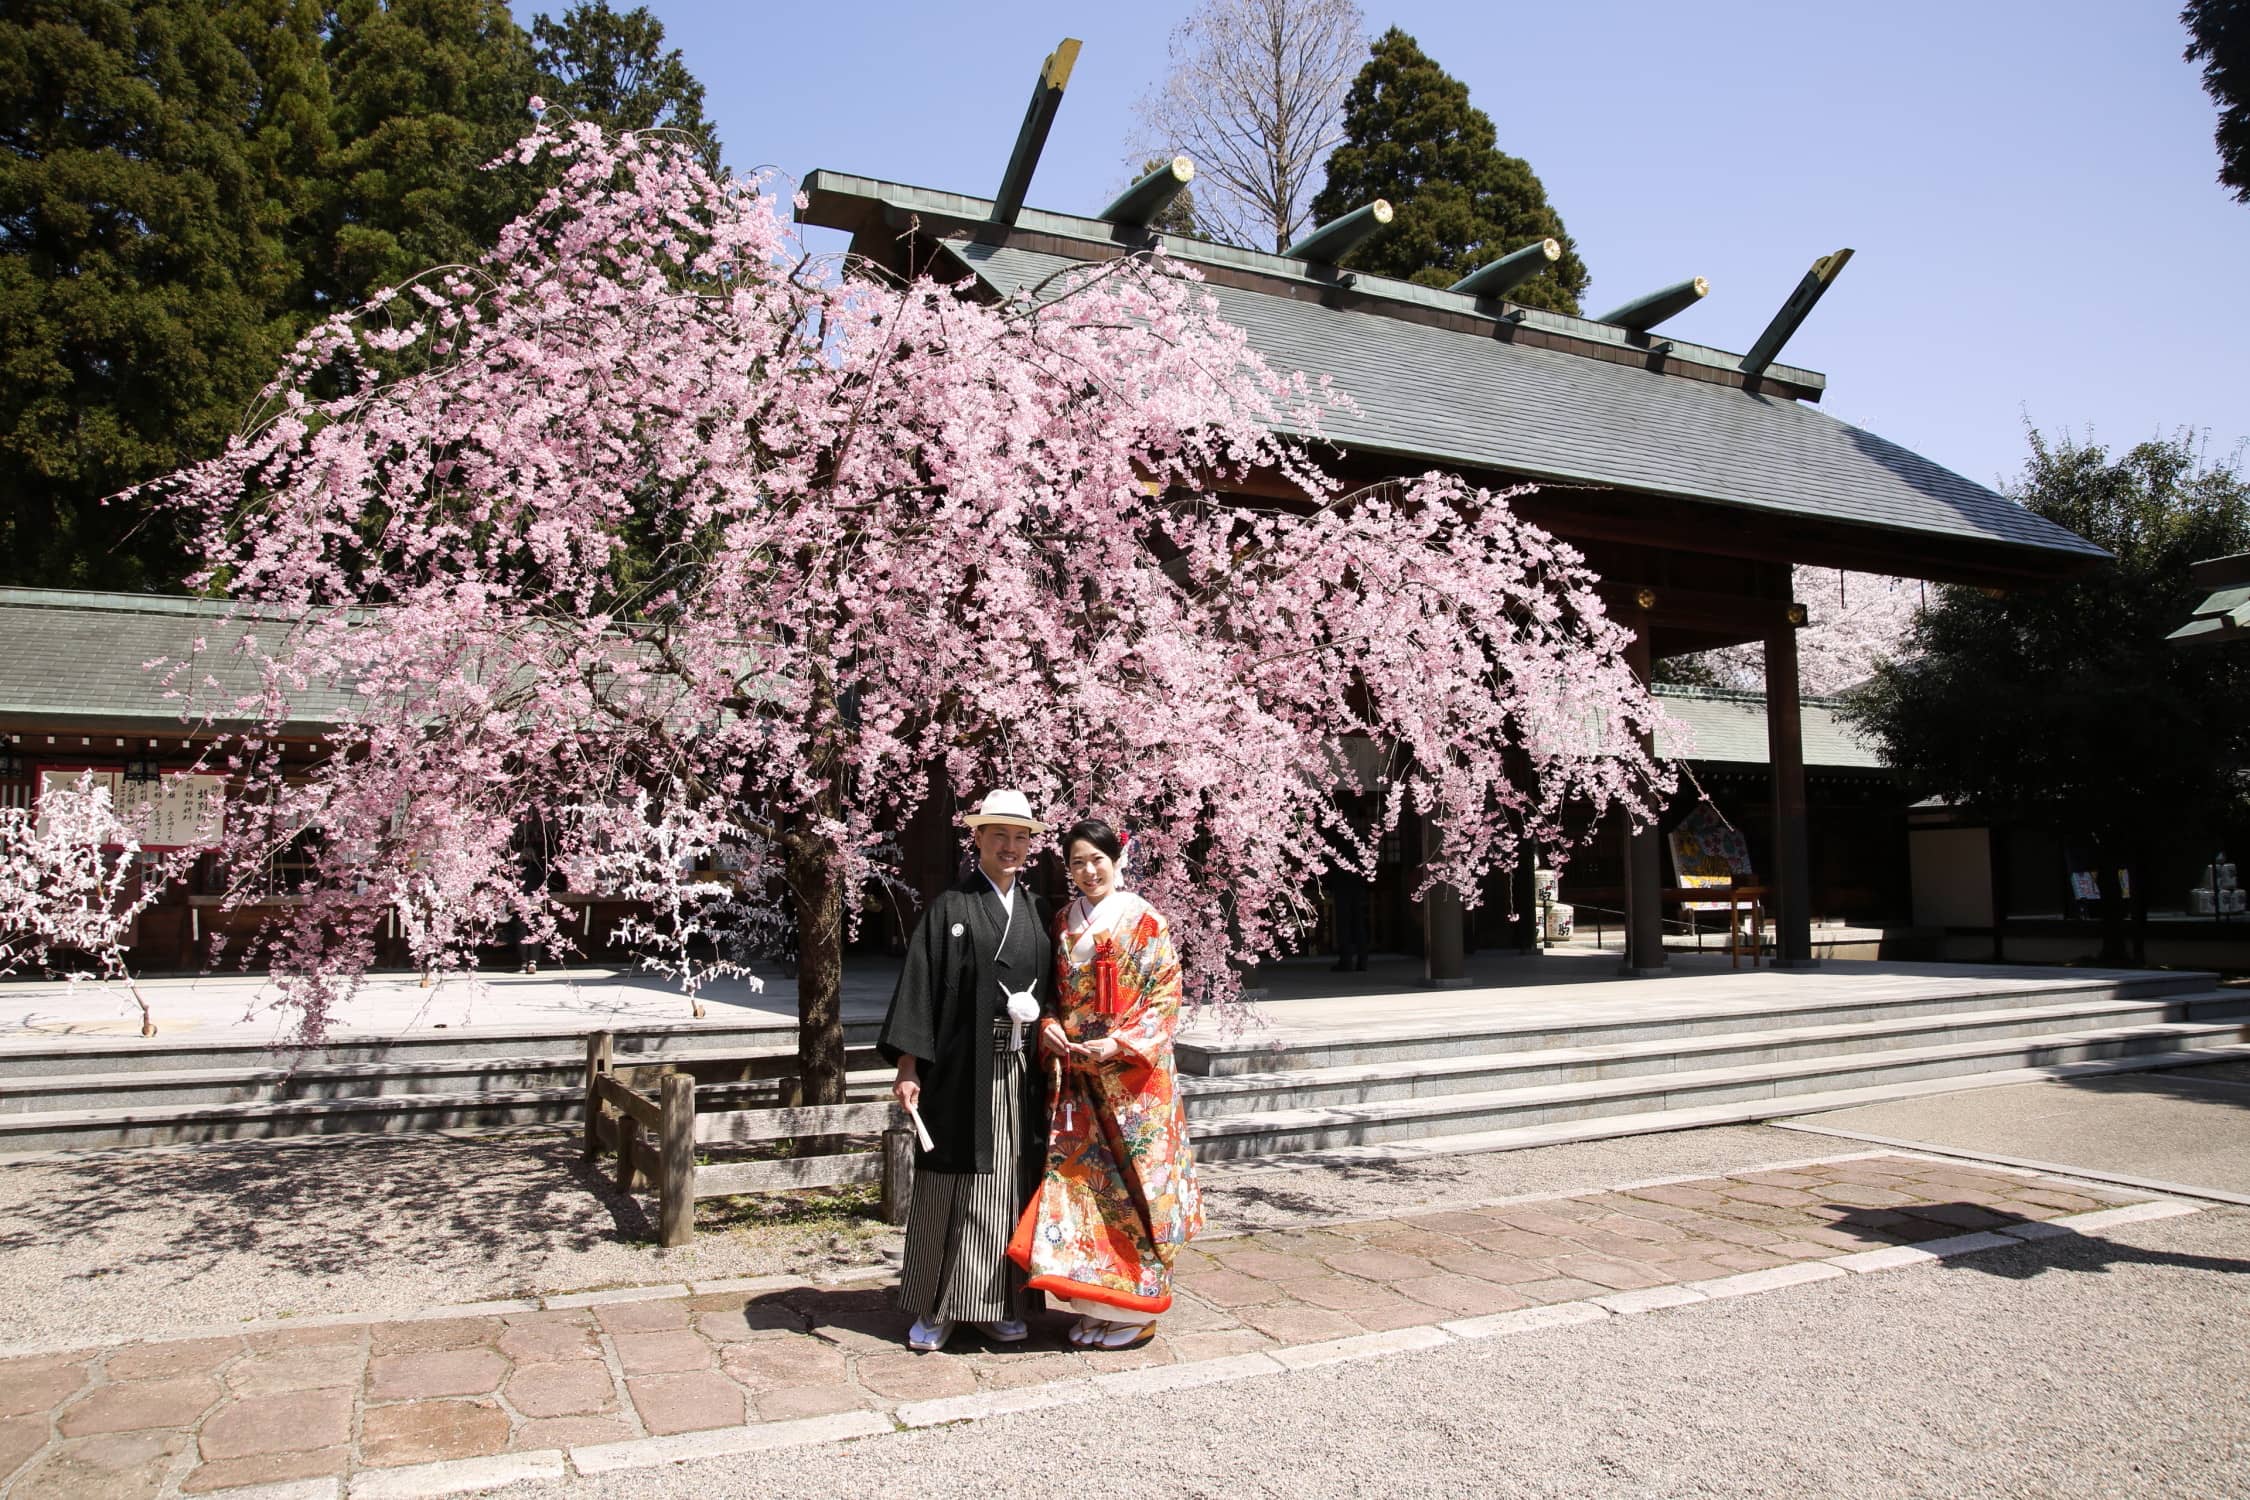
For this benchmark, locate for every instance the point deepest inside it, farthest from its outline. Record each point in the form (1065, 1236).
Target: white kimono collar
(1111, 907)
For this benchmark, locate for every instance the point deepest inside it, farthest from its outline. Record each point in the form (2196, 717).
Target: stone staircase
(81, 1094)
(1530, 1068)
(1500, 1085)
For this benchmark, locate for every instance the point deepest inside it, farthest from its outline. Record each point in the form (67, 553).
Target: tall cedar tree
(2219, 38)
(186, 184)
(2065, 705)
(143, 264)
(1412, 137)
(610, 67)
(426, 92)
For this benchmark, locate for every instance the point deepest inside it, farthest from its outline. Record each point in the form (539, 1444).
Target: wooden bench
(1739, 901)
(656, 1136)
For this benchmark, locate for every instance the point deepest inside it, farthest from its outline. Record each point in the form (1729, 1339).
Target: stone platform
(472, 1397)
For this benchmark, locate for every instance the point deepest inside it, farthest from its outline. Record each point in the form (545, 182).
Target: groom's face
(1003, 849)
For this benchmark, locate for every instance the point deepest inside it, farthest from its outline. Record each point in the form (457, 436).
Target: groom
(963, 1063)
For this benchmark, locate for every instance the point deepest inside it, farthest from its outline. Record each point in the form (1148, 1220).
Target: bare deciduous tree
(1256, 97)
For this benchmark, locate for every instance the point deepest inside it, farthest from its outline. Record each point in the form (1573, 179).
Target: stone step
(122, 1055)
(1739, 1112)
(1207, 1056)
(150, 1087)
(387, 1114)
(1429, 1077)
(1225, 1136)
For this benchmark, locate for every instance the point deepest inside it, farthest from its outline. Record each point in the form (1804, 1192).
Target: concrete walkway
(471, 1397)
(2177, 1131)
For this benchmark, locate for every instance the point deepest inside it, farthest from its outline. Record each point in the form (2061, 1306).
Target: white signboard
(178, 812)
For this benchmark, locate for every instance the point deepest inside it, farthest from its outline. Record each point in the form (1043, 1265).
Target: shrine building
(1693, 479)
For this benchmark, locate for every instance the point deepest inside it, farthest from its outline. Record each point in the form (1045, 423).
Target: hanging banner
(178, 812)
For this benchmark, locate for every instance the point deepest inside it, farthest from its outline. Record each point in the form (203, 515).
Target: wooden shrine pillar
(1445, 963)
(1644, 852)
(1523, 884)
(1785, 753)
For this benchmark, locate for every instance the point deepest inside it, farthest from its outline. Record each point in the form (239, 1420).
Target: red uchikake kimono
(1119, 1198)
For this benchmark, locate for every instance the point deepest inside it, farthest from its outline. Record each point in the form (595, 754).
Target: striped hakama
(957, 1224)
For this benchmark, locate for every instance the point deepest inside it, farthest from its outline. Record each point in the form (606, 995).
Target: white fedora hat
(1007, 806)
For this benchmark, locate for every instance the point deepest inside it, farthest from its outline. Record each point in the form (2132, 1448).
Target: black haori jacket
(942, 1013)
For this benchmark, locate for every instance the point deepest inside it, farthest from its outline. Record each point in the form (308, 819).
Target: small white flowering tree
(73, 881)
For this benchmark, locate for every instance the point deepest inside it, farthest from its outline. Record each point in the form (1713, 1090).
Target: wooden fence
(655, 1138)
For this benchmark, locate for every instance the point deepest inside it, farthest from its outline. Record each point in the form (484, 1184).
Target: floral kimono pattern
(1119, 1196)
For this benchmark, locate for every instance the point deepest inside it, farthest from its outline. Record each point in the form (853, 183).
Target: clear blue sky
(2029, 184)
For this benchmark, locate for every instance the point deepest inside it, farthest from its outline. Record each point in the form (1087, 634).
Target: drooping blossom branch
(644, 533)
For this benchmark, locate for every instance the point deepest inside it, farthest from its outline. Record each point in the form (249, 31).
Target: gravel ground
(2110, 1366)
(124, 1244)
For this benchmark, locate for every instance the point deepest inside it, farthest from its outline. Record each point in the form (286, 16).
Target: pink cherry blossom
(715, 562)
(1852, 622)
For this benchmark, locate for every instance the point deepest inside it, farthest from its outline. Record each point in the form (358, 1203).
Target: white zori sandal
(1126, 1335)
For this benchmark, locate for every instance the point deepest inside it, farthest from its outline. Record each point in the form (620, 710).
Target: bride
(1119, 1197)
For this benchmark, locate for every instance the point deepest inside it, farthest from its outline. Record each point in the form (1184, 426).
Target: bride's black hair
(1093, 831)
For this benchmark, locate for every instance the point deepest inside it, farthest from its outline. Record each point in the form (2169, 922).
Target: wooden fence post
(600, 1050)
(898, 1173)
(678, 1147)
(629, 1172)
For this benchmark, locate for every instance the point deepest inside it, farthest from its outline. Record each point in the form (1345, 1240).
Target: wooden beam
(898, 1175)
(640, 1107)
(676, 1207)
(600, 1047)
(1644, 313)
(789, 1172)
(1337, 238)
(1794, 312)
(1038, 119)
(1662, 604)
(749, 1125)
(1139, 204)
(1785, 755)
(1499, 277)
(1644, 852)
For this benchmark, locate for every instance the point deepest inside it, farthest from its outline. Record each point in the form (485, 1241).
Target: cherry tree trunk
(820, 979)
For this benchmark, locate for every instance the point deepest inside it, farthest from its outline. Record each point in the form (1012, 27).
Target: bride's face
(1093, 872)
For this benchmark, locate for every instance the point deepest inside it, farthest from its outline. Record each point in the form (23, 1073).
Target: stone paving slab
(439, 1403)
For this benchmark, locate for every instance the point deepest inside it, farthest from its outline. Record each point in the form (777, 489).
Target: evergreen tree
(2219, 38)
(2066, 705)
(425, 93)
(1412, 137)
(141, 266)
(610, 67)
(289, 132)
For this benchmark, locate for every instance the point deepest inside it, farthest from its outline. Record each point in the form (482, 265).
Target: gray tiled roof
(69, 659)
(1731, 728)
(2224, 614)
(1441, 395)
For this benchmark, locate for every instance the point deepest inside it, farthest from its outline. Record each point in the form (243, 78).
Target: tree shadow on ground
(1319, 1187)
(324, 1206)
(2070, 1251)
